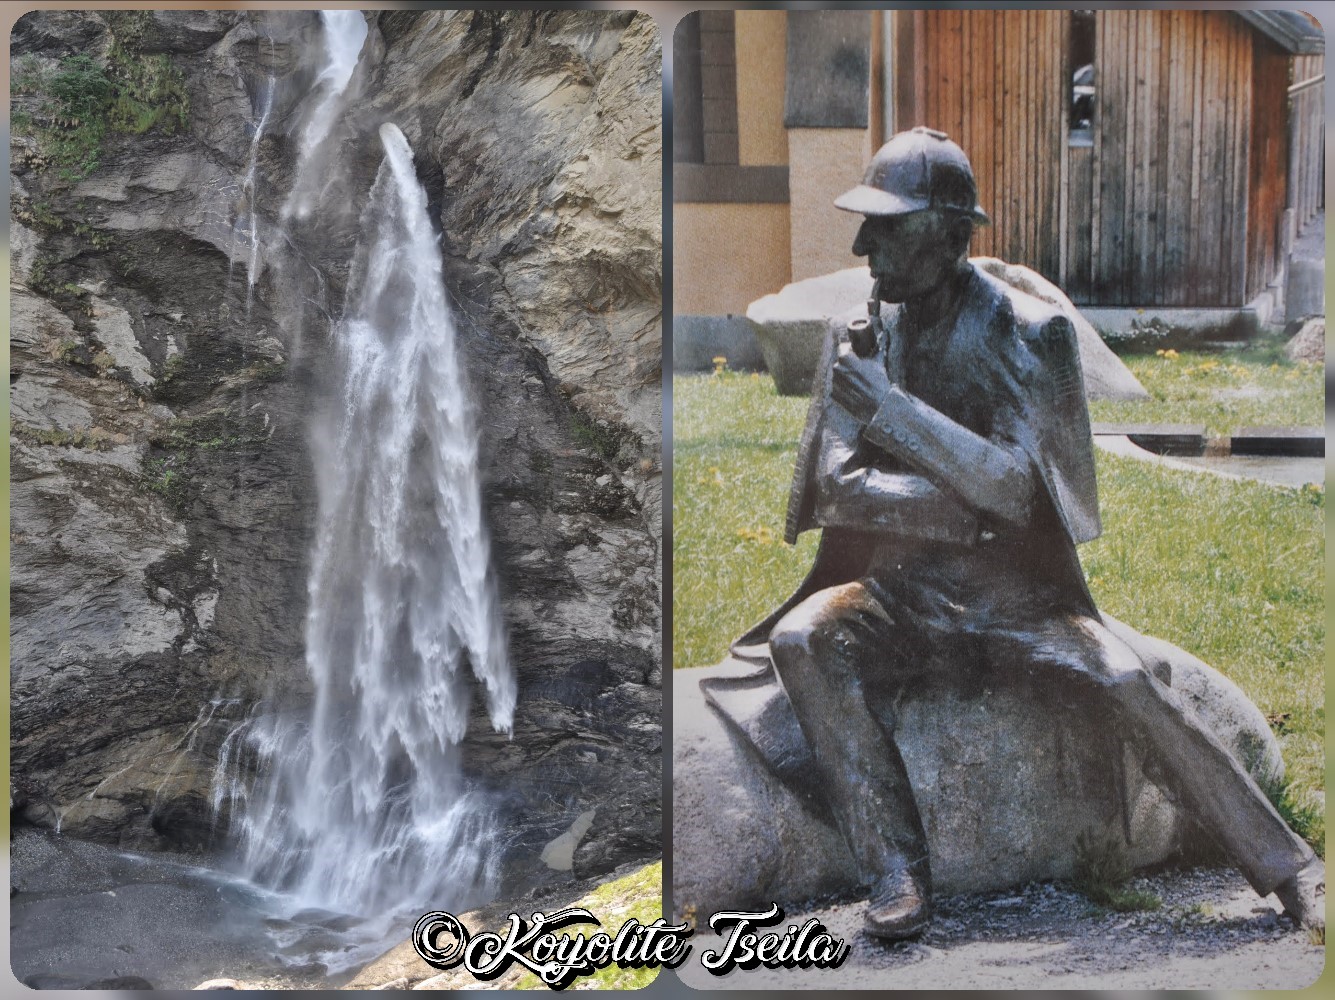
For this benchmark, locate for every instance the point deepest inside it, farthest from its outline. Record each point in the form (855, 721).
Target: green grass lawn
(1231, 571)
(1251, 388)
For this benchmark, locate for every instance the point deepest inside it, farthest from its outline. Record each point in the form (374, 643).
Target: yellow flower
(761, 536)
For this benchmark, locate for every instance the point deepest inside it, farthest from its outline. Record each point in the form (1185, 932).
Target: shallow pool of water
(84, 914)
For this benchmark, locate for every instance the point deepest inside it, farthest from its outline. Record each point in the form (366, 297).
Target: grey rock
(113, 327)
(1106, 377)
(1305, 288)
(57, 32)
(187, 30)
(791, 324)
(1309, 343)
(1004, 792)
(121, 983)
(698, 340)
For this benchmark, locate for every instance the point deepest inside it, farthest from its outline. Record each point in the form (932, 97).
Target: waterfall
(344, 32)
(365, 804)
(248, 192)
(246, 219)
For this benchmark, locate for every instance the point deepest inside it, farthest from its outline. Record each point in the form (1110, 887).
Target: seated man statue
(947, 456)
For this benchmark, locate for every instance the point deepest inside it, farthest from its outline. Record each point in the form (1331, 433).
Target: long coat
(1018, 346)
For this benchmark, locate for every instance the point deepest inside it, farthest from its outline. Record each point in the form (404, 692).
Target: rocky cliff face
(170, 326)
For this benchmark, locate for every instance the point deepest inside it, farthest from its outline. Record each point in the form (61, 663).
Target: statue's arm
(992, 476)
(852, 491)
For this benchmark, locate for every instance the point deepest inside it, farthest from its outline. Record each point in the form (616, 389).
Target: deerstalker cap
(915, 170)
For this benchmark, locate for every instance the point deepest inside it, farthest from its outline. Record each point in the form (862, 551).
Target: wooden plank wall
(1169, 182)
(1269, 168)
(993, 82)
(1307, 158)
(1179, 200)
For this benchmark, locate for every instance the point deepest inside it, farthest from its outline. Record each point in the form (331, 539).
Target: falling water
(245, 222)
(248, 190)
(344, 32)
(366, 803)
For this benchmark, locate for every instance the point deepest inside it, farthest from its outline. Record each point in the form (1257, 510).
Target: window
(1082, 104)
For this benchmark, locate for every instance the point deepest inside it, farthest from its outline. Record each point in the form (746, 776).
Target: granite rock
(790, 325)
(1005, 781)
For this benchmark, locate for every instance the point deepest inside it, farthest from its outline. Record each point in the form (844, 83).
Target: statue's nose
(861, 244)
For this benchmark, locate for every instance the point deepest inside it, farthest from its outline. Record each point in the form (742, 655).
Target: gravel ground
(1311, 242)
(1212, 933)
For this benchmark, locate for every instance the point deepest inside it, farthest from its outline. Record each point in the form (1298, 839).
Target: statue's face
(911, 254)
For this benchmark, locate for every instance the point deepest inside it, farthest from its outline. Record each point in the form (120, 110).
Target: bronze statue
(947, 456)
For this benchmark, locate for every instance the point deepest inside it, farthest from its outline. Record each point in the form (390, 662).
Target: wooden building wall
(993, 82)
(1268, 187)
(1179, 199)
(1307, 170)
(1169, 183)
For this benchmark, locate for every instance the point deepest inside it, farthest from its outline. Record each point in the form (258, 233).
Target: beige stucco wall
(823, 163)
(762, 44)
(724, 256)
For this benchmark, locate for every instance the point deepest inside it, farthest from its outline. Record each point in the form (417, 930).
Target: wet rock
(120, 983)
(219, 984)
(187, 31)
(53, 981)
(58, 32)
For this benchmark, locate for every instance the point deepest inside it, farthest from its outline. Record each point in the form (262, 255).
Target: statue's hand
(859, 384)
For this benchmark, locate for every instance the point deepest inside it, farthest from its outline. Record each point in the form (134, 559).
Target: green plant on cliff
(27, 75)
(75, 105)
(603, 437)
(36, 214)
(216, 429)
(161, 476)
(91, 438)
(149, 92)
(173, 368)
(131, 93)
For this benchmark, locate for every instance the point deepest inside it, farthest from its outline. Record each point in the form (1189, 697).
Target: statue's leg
(1083, 655)
(822, 650)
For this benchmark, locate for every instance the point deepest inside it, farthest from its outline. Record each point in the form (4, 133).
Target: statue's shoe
(1304, 895)
(899, 908)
